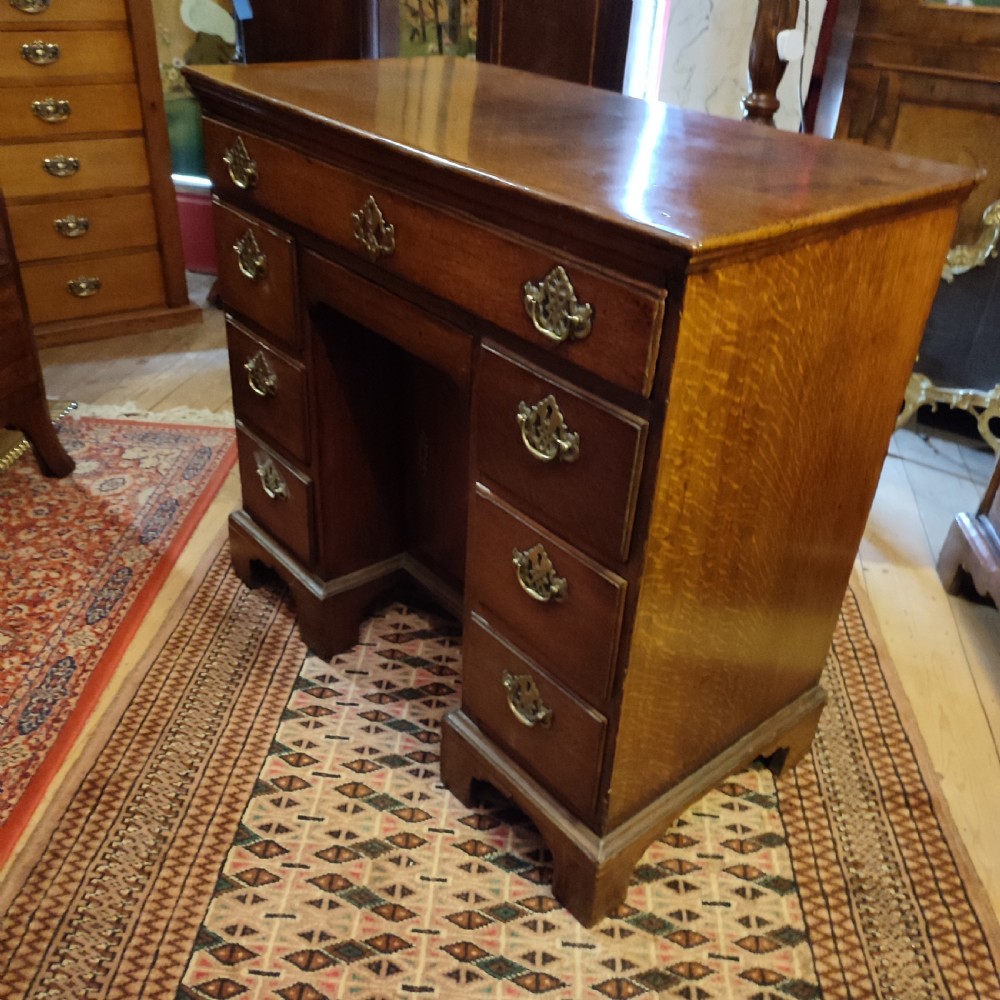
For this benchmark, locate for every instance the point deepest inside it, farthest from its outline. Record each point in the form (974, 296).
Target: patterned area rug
(82, 559)
(259, 823)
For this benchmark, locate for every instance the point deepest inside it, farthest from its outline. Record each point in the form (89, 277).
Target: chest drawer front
(14, 14)
(586, 491)
(555, 601)
(73, 166)
(564, 755)
(69, 289)
(54, 112)
(268, 391)
(276, 495)
(257, 274)
(101, 56)
(473, 265)
(58, 229)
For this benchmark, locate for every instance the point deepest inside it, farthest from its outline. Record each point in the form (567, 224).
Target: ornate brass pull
(72, 226)
(252, 263)
(61, 166)
(371, 230)
(271, 480)
(30, 6)
(51, 110)
(544, 431)
(261, 376)
(537, 576)
(525, 701)
(40, 53)
(241, 165)
(84, 287)
(554, 308)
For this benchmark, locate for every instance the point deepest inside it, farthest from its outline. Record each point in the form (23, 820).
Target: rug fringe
(174, 415)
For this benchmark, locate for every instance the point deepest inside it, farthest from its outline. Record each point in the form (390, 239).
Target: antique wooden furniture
(22, 390)
(309, 29)
(85, 164)
(569, 360)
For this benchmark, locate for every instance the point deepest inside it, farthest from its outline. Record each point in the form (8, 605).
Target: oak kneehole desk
(612, 381)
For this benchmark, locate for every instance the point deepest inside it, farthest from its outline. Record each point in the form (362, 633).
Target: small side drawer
(29, 13)
(569, 614)
(586, 491)
(276, 495)
(566, 753)
(269, 391)
(69, 56)
(257, 273)
(53, 112)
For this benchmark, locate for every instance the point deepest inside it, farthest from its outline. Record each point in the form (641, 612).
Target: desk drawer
(569, 613)
(455, 257)
(276, 495)
(269, 391)
(88, 165)
(54, 112)
(81, 11)
(98, 56)
(586, 492)
(257, 273)
(126, 282)
(565, 754)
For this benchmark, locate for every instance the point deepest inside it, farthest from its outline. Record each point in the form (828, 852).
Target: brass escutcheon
(554, 309)
(84, 287)
(40, 53)
(241, 165)
(371, 230)
(525, 701)
(72, 226)
(61, 166)
(537, 576)
(270, 479)
(252, 263)
(30, 6)
(51, 110)
(261, 376)
(544, 431)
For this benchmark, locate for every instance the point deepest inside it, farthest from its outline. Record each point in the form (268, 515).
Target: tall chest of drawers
(612, 381)
(85, 167)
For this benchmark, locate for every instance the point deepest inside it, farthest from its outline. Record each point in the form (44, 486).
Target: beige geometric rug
(260, 823)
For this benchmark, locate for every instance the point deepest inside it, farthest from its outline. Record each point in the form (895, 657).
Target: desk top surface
(701, 183)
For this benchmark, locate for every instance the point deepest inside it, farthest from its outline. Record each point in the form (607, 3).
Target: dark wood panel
(280, 31)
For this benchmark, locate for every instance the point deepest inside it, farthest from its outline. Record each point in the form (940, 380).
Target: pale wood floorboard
(946, 650)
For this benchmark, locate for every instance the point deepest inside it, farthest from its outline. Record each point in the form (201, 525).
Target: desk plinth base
(590, 871)
(971, 553)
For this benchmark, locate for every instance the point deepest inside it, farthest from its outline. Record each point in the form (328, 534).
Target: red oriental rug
(81, 560)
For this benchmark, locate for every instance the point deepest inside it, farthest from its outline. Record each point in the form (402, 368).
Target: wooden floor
(947, 650)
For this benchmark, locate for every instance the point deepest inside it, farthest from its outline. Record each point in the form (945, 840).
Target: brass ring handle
(525, 701)
(271, 481)
(537, 576)
(241, 165)
(251, 261)
(51, 110)
(40, 53)
(72, 226)
(83, 287)
(61, 166)
(544, 431)
(261, 376)
(377, 236)
(554, 309)
(30, 6)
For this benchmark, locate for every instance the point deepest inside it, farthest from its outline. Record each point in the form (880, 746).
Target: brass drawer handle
(271, 480)
(61, 166)
(554, 308)
(241, 165)
(261, 376)
(537, 576)
(252, 263)
(544, 431)
(84, 287)
(371, 230)
(72, 226)
(51, 110)
(525, 701)
(40, 53)
(30, 6)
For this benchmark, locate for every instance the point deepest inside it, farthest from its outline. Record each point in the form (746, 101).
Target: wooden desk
(613, 381)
